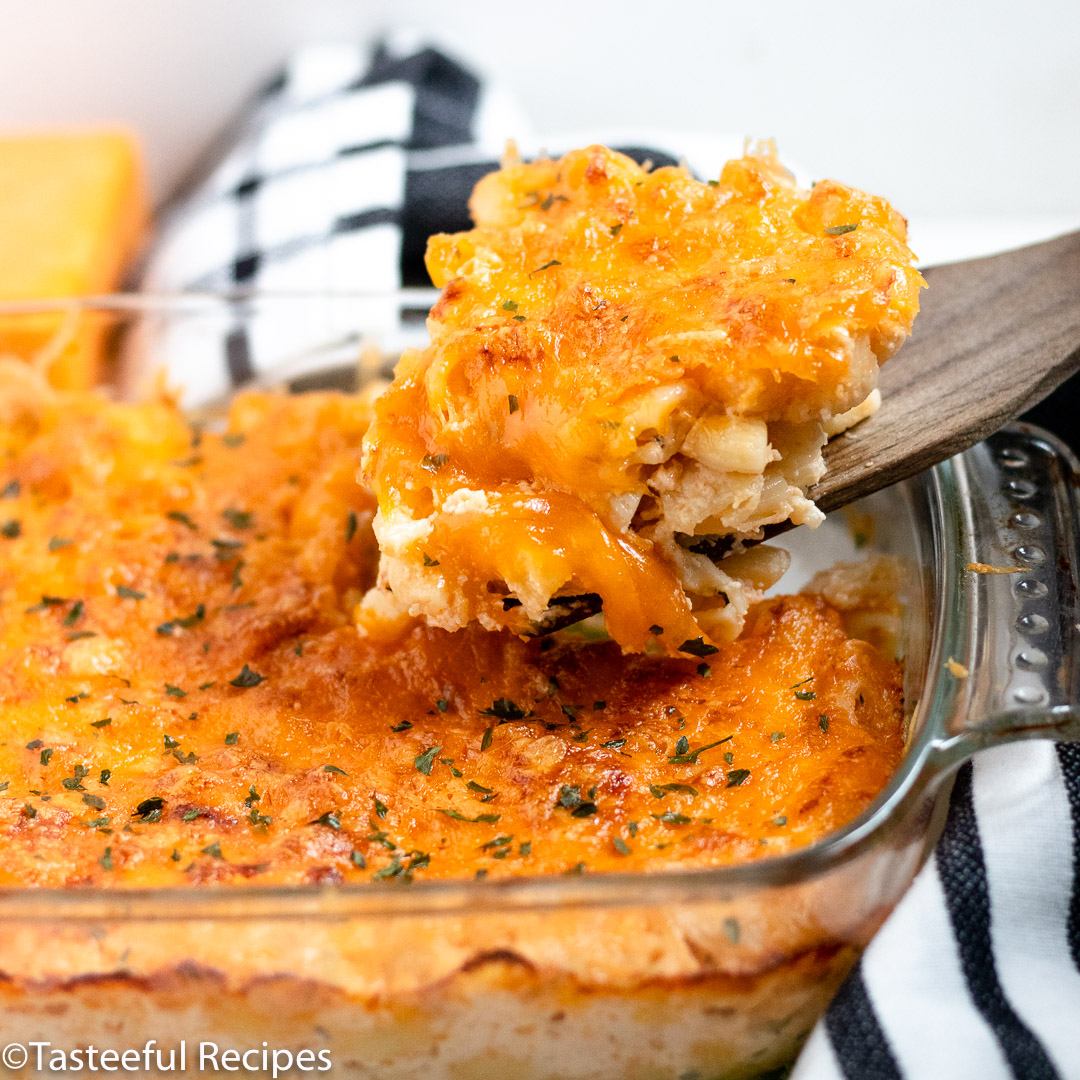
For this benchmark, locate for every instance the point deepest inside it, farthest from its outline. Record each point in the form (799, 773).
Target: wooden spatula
(994, 336)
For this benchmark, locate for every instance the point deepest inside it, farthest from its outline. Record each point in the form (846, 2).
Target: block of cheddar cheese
(73, 211)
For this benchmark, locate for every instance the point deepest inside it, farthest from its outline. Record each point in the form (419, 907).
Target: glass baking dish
(669, 976)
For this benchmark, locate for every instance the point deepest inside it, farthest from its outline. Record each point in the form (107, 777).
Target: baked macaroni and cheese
(290, 648)
(186, 698)
(186, 701)
(630, 374)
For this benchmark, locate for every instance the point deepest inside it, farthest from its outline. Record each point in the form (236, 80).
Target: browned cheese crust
(630, 372)
(184, 697)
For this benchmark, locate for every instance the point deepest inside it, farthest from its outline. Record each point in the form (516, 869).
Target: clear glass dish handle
(1014, 669)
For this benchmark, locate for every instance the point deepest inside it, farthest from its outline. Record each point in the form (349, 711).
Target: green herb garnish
(659, 791)
(569, 796)
(424, 761)
(247, 678)
(239, 519)
(698, 647)
(180, 516)
(150, 809)
(505, 710)
(45, 603)
(392, 869)
(224, 550)
(685, 756)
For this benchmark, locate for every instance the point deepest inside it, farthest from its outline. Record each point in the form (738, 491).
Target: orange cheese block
(73, 211)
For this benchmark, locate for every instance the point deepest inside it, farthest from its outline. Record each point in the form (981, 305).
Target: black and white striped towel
(976, 974)
(332, 183)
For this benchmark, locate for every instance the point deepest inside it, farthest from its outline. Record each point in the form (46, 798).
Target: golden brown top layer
(753, 285)
(183, 697)
(592, 301)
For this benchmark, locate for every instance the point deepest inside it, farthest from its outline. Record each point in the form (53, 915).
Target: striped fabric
(331, 183)
(976, 975)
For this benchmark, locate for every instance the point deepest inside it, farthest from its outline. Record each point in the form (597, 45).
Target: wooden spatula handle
(994, 337)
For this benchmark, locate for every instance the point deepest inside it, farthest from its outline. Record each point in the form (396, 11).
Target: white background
(965, 114)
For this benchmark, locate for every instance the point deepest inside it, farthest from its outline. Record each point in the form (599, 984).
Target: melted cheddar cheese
(184, 696)
(630, 373)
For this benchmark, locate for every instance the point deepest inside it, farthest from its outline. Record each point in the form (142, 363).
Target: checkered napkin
(327, 187)
(331, 183)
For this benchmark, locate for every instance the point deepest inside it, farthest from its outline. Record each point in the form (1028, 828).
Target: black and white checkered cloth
(331, 184)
